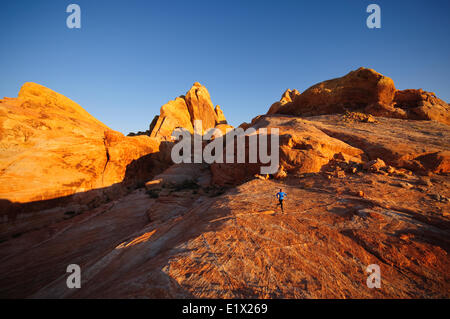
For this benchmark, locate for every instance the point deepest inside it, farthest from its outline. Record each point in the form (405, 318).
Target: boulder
(437, 162)
(374, 165)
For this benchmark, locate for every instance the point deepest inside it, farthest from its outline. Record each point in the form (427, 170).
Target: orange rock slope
(186, 241)
(51, 147)
(369, 186)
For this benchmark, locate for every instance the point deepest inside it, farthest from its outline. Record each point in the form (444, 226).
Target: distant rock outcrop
(173, 114)
(184, 110)
(287, 97)
(363, 90)
(422, 105)
(200, 106)
(220, 116)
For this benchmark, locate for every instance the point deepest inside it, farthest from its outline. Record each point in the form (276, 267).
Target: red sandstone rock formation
(287, 97)
(184, 110)
(422, 105)
(363, 90)
(361, 190)
(51, 147)
(419, 146)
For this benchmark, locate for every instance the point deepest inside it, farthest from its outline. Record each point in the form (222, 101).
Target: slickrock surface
(420, 146)
(367, 91)
(186, 243)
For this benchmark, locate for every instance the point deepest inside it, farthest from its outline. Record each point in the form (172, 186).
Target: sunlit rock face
(52, 147)
(182, 112)
(367, 91)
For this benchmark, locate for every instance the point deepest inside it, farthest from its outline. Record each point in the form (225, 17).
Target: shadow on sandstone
(117, 262)
(18, 218)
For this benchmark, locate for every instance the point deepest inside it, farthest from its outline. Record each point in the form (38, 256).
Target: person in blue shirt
(281, 195)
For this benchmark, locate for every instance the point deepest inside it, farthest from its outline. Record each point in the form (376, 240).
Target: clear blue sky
(130, 57)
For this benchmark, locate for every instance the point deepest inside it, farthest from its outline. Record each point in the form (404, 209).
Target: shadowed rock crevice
(107, 159)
